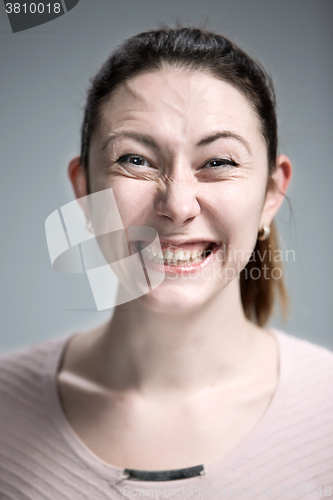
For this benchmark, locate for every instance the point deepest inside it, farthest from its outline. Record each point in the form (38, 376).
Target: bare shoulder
(79, 353)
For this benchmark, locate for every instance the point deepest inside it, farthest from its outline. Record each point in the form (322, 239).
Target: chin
(174, 300)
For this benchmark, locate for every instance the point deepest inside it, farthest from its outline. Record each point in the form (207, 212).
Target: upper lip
(182, 242)
(169, 241)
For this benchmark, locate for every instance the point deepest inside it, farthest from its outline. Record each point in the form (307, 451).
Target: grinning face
(184, 154)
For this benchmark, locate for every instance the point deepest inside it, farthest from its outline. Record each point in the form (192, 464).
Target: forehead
(179, 105)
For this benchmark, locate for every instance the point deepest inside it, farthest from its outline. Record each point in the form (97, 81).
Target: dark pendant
(164, 475)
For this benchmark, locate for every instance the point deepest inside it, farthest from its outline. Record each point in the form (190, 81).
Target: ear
(78, 178)
(276, 190)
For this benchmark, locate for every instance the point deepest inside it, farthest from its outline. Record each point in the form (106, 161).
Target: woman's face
(184, 154)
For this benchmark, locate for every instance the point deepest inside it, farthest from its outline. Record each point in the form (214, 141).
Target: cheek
(238, 209)
(134, 199)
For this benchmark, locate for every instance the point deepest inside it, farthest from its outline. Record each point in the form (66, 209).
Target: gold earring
(89, 226)
(264, 233)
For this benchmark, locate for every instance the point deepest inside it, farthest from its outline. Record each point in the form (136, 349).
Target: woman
(183, 392)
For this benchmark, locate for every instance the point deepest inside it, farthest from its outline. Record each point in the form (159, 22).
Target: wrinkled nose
(177, 201)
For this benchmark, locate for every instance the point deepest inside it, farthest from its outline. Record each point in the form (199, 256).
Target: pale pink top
(288, 454)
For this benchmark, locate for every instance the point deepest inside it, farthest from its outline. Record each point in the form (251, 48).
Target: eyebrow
(148, 141)
(224, 135)
(137, 137)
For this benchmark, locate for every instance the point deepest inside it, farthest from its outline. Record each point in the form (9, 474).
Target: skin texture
(180, 366)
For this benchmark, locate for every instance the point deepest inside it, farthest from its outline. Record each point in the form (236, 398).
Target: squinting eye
(221, 162)
(135, 160)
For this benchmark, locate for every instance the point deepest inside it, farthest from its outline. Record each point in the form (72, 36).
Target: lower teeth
(182, 263)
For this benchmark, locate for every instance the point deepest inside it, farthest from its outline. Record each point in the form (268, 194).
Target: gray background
(44, 75)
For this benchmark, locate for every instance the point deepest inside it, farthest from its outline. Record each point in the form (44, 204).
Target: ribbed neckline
(213, 469)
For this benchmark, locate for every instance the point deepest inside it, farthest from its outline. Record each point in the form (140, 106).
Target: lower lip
(182, 269)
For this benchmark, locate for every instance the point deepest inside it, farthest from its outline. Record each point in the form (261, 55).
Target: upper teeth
(171, 256)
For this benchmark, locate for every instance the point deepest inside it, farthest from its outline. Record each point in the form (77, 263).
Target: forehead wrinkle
(176, 100)
(138, 93)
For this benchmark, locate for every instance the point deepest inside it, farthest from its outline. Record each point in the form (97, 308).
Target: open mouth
(183, 255)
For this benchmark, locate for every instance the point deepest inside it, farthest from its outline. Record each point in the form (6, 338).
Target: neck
(151, 352)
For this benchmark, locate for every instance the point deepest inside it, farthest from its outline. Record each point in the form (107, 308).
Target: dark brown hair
(195, 49)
